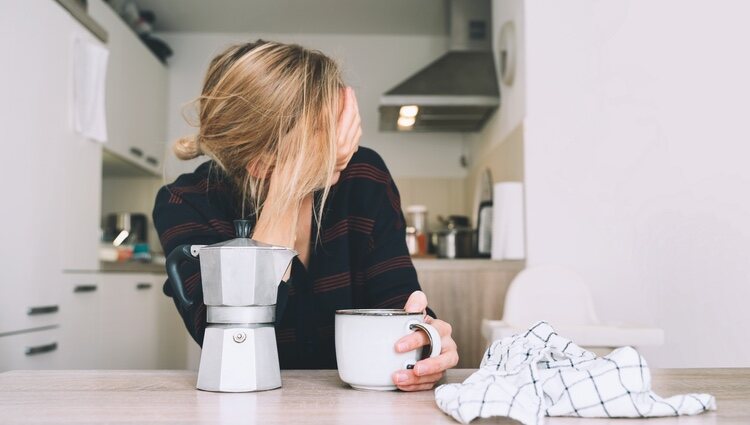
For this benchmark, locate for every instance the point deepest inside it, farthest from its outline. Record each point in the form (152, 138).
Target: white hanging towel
(507, 222)
(89, 82)
(538, 373)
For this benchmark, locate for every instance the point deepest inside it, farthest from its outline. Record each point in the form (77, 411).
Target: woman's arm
(391, 282)
(180, 217)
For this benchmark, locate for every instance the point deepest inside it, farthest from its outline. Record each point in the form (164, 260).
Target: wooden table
(307, 397)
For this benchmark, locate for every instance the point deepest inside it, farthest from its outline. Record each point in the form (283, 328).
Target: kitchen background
(632, 160)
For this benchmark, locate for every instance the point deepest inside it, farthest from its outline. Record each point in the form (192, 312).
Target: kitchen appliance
(125, 228)
(240, 283)
(484, 229)
(456, 239)
(484, 215)
(457, 92)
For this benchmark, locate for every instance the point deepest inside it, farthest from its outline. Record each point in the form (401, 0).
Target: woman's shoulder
(366, 165)
(203, 195)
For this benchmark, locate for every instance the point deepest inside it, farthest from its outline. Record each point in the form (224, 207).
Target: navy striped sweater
(360, 260)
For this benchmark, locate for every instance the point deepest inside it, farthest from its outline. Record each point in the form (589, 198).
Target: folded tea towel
(538, 373)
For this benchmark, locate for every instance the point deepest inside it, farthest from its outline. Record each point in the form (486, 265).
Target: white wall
(372, 64)
(637, 144)
(489, 147)
(512, 97)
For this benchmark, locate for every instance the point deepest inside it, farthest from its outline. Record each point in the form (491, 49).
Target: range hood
(459, 91)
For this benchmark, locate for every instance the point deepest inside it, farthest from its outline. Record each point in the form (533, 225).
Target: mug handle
(432, 334)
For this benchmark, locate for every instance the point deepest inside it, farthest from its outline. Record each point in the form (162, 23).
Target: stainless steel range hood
(457, 92)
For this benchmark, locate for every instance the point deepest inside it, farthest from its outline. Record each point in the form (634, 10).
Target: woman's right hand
(348, 132)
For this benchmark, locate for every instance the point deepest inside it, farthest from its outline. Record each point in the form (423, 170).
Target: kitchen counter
(420, 263)
(313, 396)
(131, 267)
(468, 264)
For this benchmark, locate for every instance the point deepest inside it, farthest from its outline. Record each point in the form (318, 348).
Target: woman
(282, 132)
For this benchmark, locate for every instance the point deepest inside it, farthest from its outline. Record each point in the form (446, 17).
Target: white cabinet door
(80, 325)
(136, 94)
(36, 132)
(173, 337)
(129, 321)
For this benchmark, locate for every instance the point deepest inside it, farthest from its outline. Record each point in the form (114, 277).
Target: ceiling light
(406, 121)
(409, 111)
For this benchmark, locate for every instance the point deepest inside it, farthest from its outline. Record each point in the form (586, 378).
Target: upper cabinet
(136, 96)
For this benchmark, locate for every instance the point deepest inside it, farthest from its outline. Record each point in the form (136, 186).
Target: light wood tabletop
(64, 396)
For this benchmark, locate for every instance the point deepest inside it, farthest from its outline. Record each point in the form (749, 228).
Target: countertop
(420, 263)
(313, 396)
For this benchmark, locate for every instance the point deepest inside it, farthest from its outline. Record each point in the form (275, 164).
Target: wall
(499, 146)
(636, 146)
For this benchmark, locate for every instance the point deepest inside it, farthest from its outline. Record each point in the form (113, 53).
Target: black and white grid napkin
(538, 373)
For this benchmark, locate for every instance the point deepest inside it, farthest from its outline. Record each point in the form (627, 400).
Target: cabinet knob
(43, 309)
(40, 349)
(84, 288)
(153, 161)
(143, 286)
(136, 151)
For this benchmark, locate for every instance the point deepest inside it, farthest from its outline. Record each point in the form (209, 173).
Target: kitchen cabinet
(48, 165)
(120, 321)
(128, 322)
(463, 292)
(81, 330)
(136, 101)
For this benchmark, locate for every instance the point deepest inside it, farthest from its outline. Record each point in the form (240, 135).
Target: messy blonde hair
(270, 106)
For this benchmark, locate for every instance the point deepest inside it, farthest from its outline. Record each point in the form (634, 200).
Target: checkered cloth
(538, 373)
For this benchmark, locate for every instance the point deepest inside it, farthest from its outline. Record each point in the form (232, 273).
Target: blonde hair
(270, 106)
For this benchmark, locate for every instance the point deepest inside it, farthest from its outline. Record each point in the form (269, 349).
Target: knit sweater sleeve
(179, 220)
(390, 277)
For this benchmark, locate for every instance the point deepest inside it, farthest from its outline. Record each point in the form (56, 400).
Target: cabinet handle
(40, 349)
(84, 288)
(153, 161)
(44, 309)
(143, 286)
(136, 151)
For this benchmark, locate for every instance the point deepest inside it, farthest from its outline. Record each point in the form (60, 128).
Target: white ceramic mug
(366, 345)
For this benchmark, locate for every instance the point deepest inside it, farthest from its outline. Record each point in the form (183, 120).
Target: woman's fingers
(407, 377)
(437, 364)
(349, 130)
(416, 303)
(347, 115)
(411, 342)
(419, 387)
(419, 339)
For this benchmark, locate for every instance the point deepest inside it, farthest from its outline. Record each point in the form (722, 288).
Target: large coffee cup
(366, 341)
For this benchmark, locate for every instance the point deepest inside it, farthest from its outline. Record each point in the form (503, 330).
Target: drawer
(29, 311)
(30, 350)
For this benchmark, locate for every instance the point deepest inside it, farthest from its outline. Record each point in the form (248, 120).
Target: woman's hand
(426, 372)
(348, 132)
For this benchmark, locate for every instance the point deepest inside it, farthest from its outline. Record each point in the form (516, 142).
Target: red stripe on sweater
(358, 224)
(330, 283)
(399, 301)
(400, 262)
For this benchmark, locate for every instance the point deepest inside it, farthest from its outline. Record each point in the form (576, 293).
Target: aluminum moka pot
(240, 279)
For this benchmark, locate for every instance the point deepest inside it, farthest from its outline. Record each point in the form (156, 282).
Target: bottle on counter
(418, 219)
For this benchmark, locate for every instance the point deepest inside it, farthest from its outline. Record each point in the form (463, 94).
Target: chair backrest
(552, 293)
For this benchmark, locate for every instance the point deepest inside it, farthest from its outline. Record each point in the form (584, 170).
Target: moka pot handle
(178, 256)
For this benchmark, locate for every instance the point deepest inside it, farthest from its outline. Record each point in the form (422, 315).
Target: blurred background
(581, 161)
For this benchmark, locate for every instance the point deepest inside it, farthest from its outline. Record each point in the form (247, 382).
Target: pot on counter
(456, 239)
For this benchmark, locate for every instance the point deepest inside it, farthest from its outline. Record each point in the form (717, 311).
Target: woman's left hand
(427, 372)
